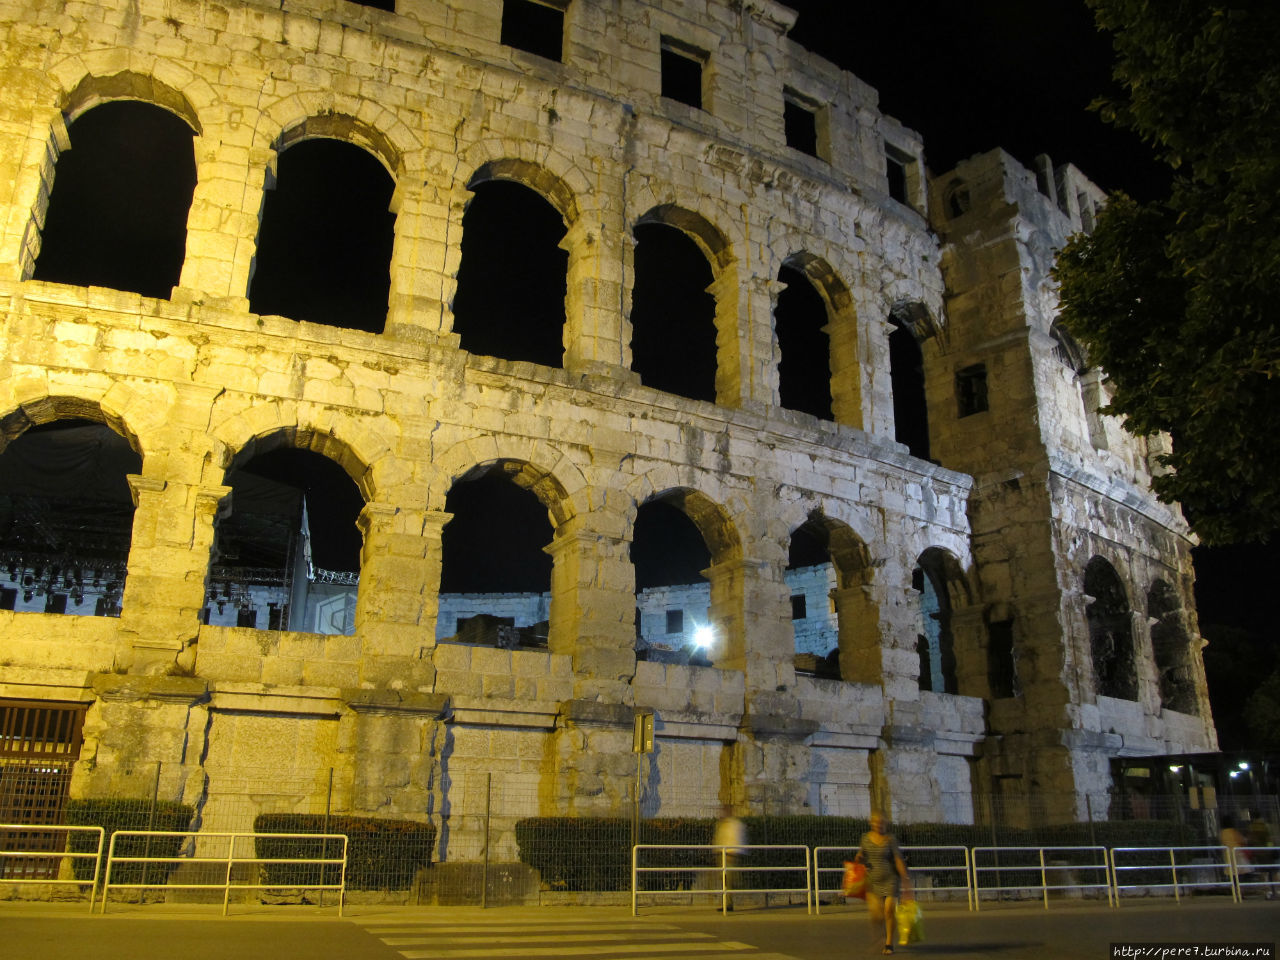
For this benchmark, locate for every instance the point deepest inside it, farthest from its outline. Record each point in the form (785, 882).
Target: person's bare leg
(890, 922)
(875, 913)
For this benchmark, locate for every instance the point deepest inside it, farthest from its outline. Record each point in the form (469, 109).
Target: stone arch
(265, 427)
(128, 85)
(844, 373)
(711, 240)
(47, 409)
(337, 116)
(348, 129)
(1110, 622)
(853, 645)
(553, 478)
(536, 177)
(943, 589)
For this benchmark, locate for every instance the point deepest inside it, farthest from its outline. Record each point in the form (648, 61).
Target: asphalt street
(68, 932)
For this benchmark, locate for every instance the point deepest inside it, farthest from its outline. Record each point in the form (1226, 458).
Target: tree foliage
(1178, 299)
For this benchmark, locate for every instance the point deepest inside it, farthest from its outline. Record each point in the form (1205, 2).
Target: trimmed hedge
(115, 813)
(382, 854)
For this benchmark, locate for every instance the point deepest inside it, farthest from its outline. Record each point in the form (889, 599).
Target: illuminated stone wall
(195, 380)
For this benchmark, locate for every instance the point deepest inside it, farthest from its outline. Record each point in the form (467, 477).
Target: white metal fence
(1018, 869)
(208, 868)
(38, 854)
(946, 868)
(711, 870)
(1186, 868)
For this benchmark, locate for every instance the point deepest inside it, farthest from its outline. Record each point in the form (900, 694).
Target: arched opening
(673, 316)
(117, 214)
(804, 370)
(66, 519)
(673, 596)
(1171, 646)
(324, 245)
(934, 578)
(1115, 673)
(906, 375)
(512, 279)
(495, 582)
(287, 551)
(812, 582)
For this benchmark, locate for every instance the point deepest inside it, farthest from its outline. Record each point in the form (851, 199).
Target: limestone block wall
(406, 721)
(1056, 489)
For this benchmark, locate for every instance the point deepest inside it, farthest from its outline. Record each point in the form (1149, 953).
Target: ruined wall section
(1068, 484)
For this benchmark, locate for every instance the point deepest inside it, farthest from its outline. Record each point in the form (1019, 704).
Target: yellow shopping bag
(910, 922)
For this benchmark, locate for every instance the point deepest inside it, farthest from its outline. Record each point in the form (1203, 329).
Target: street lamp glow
(1243, 764)
(702, 637)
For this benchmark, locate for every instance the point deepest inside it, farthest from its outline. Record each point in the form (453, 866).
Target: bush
(578, 853)
(382, 854)
(114, 814)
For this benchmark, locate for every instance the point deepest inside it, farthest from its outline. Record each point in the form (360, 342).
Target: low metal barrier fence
(1021, 864)
(1180, 863)
(700, 867)
(21, 842)
(221, 868)
(946, 872)
(1255, 867)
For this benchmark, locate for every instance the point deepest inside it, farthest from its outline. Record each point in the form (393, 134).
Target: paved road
(64, 932)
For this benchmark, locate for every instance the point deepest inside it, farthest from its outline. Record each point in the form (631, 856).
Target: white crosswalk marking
(622, 939)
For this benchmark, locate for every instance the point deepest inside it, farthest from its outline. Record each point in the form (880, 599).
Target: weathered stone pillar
(858, 626)
(28, 153)
(222, 225)
(850, 378)
(969, 642)
(733, 374)
(595, 341)
(390, 744)
(728, 580)
(590, 769)
(168, 568)
(593, 609)
(877, 395)
(424, 263)
(397, 602)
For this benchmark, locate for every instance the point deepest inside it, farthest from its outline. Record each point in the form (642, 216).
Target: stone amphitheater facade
(1025, 494)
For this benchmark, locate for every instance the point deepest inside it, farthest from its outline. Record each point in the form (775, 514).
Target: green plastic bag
(910, 922)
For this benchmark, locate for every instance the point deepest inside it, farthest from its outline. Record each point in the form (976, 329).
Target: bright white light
(702, 637)
(1234, 774)
(1243, 764)
(1173, 769)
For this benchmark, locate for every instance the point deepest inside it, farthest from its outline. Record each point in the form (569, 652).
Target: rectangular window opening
(971, 389)
(800, 123)
(675, 621)
(798, 607)
(534, 27)
(896, 165)
(682, 72)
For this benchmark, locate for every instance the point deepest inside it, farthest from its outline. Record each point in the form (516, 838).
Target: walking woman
(886, 877)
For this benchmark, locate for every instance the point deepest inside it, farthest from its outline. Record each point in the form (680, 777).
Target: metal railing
(41, 852)
(1159, 860)
(225, 878)
(734, 867)
(948, 871)
(1254, 867)
(1019, 868)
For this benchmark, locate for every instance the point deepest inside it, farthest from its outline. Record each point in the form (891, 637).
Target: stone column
(593, 609)
(28, 154)
(728, 580)
(858, 626)
(424, 263)
(168, 568)
(877, 394)
(398, 597)
(733, 373)
(850, 377)
(222, 225)
(596, 338)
